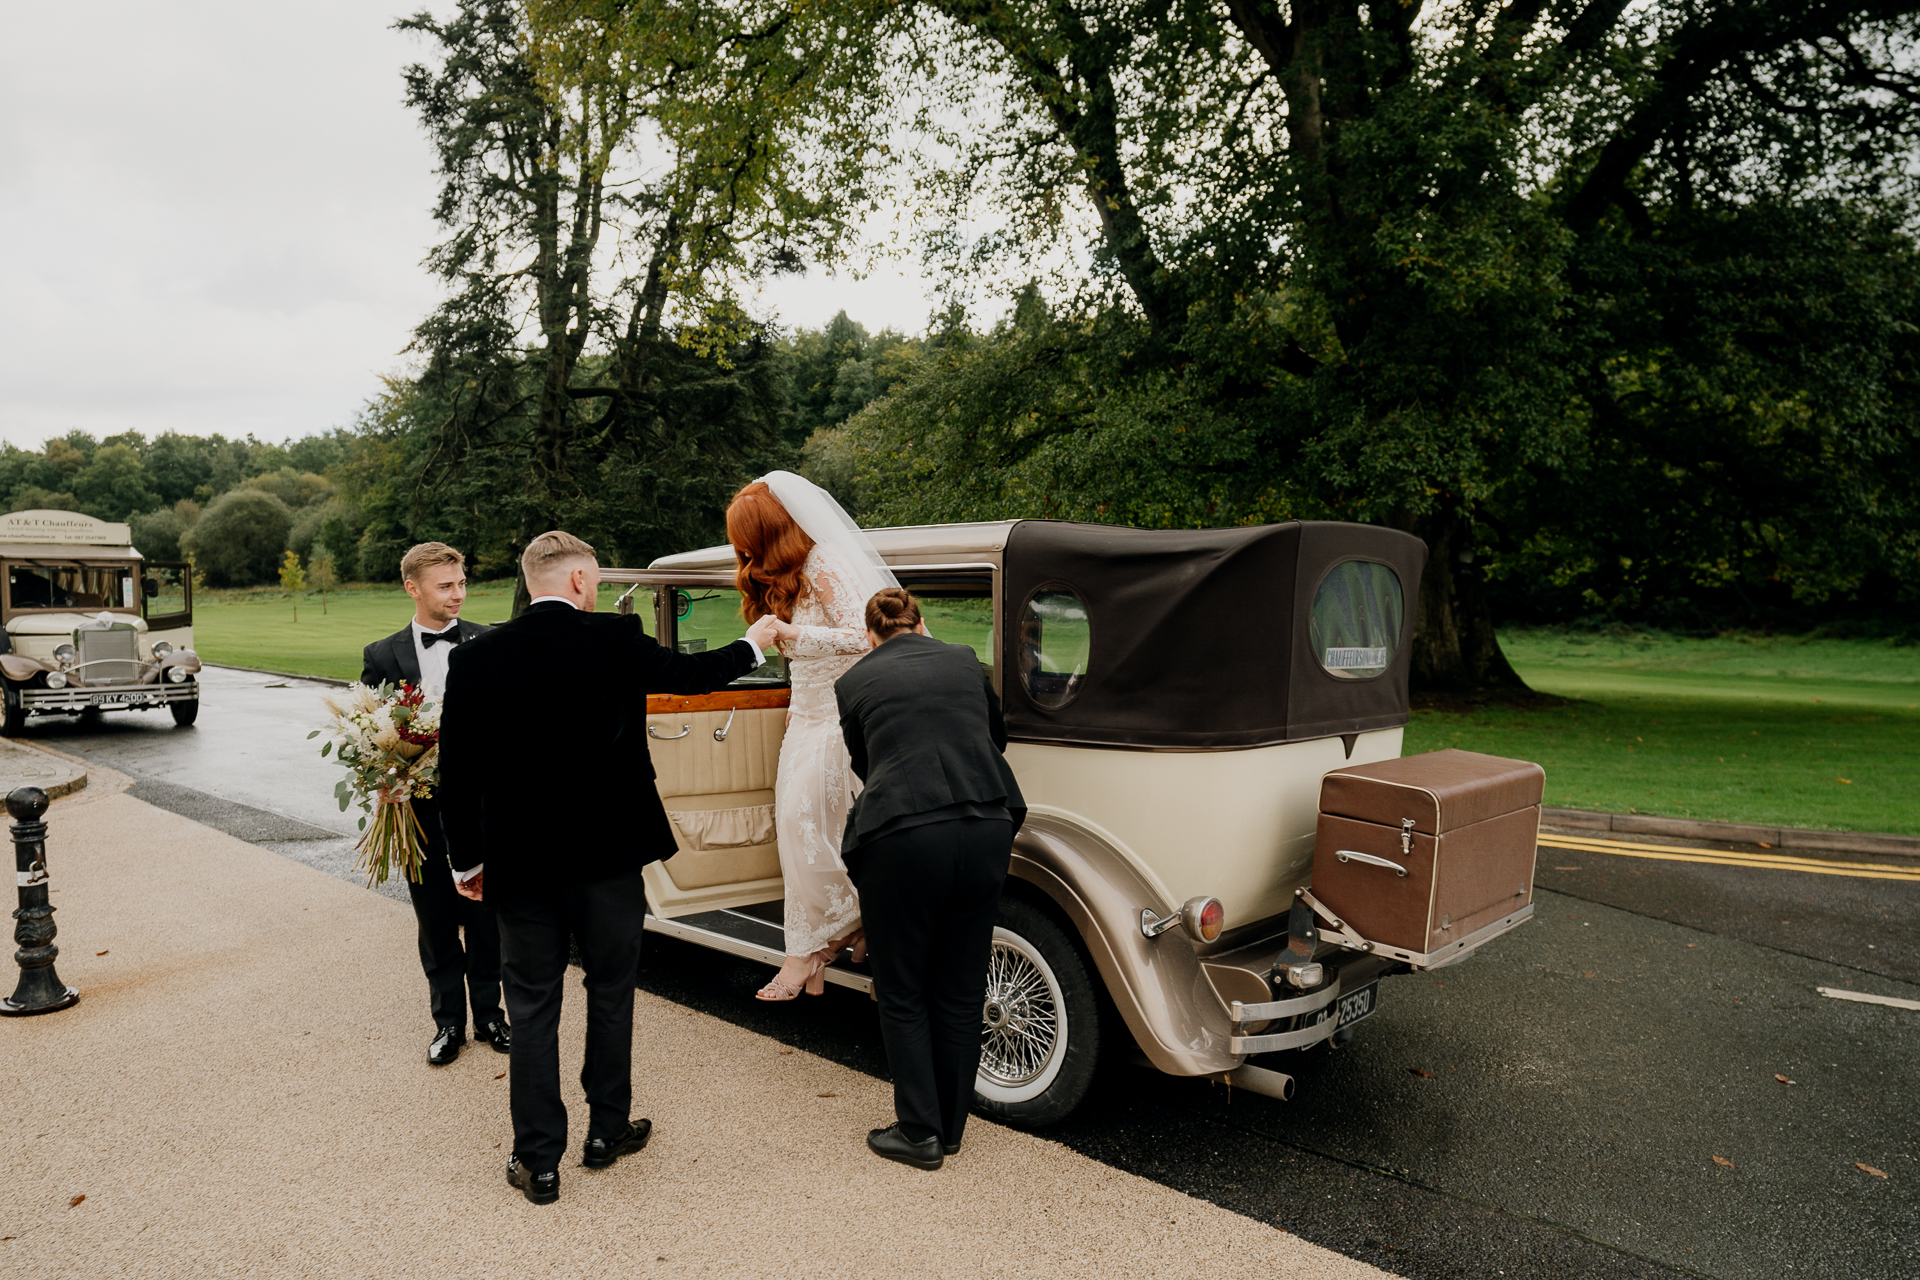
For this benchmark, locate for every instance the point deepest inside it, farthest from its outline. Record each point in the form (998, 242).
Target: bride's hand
(768, 632)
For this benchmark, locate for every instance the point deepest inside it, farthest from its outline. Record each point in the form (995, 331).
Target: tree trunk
(522, 597)
(1455, 649)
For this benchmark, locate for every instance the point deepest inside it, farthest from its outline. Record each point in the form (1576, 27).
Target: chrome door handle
(686, 729)
(1349, 855)
(720, 734)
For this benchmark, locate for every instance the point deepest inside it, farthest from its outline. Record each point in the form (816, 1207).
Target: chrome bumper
(81, 698)
(1314, 1002)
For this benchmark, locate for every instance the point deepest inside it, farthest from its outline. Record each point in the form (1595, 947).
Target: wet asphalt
(1596, 1094)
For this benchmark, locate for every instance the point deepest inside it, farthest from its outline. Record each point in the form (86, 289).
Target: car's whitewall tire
(1040, 1021)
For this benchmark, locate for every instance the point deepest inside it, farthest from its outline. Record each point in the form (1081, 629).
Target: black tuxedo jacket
(544, 770)
(389, 661)
(925, 732)
(393, 659)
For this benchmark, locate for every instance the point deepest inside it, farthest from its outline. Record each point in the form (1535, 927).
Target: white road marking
(1893, 1002)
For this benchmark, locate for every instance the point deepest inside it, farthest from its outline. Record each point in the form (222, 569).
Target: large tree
(610, 171)
(1506, 276)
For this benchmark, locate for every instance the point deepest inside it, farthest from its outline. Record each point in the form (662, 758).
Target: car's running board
(699, 935)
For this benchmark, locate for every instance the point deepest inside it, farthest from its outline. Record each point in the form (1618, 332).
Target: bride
(803, 561)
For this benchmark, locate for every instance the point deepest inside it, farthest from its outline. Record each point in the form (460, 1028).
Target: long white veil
(829, 525)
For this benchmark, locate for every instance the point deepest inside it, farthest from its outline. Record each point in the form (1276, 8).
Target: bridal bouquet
(389, 741)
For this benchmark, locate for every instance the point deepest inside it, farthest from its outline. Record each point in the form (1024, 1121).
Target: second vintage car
(89, 625)
(1225, 852)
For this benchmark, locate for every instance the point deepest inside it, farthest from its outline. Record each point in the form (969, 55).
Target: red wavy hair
(771, 550)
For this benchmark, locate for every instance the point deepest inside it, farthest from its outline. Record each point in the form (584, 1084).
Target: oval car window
(1055, 639)
(1355, 623)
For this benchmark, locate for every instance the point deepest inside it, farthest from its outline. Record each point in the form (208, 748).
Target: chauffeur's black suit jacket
(925, 734)
(544, 770)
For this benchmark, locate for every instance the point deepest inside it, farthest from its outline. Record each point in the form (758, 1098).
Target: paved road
(1551, 1108)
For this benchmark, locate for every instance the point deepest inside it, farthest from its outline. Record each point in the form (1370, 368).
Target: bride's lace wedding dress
(813, 790)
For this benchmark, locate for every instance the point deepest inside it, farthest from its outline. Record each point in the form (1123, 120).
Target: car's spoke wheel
(16, 711)
(1023, 1024)
(1039, 1021)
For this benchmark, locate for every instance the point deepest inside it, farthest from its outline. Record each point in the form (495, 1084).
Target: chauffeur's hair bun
(891, 611)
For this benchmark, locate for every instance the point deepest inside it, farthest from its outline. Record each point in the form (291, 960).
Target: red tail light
(1204, 918)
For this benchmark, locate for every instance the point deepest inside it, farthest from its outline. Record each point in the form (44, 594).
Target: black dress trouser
(606, 917)
(928, 897)
(456, 975)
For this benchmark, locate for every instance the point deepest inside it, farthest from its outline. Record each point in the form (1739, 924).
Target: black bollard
(40, 989)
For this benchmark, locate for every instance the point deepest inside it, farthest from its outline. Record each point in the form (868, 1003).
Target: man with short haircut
(552, 814)
(435, 576)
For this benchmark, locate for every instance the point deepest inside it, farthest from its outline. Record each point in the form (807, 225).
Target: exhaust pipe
(1271, 1084)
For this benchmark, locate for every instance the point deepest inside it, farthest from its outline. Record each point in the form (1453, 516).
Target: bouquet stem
(394, 839)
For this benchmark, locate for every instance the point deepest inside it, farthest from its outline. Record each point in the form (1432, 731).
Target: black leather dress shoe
(540, 1188)
(950, 1148)
(497, 1034)
(602, 1152)
(892, 1144)
(446, 1045)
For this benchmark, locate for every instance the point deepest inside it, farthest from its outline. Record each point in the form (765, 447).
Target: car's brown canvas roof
(1199, 636)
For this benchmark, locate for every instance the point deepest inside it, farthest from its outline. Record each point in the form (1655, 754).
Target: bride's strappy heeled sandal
(813, 984)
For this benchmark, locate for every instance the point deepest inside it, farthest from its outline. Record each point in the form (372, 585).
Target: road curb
(284, 675)
(21, 766)
(1642, 824)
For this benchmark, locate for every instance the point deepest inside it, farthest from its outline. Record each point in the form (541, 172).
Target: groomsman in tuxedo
(927, 844)
(551, 816)
(435, 576)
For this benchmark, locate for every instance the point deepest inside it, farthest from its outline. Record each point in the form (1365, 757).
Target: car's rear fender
(1160, 986)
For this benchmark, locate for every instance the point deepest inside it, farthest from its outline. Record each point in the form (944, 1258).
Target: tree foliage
(609, 171)
(240, 539)
(1608, 303)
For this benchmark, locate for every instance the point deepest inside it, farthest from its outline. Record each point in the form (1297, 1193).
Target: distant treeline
(360, 496)
(233, 507)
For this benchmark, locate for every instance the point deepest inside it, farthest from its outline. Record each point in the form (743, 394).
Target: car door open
(714, 754)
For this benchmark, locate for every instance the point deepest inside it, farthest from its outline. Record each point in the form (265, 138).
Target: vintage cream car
(1173, 700)
(88, 625)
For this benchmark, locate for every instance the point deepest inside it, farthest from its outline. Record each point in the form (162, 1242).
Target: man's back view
(551, 816)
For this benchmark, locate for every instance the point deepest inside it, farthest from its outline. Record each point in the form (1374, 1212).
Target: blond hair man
(458, 975)
(552, 814)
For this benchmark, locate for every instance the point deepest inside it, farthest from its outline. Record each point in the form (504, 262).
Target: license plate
(1349, 1009)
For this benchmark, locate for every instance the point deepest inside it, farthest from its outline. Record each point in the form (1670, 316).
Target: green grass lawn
(259, 628)
(1807, 733)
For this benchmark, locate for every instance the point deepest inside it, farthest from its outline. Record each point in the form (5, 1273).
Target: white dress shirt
(433, 658)
(462, 877)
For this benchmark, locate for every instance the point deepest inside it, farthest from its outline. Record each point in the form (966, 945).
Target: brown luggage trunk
(1461, 826)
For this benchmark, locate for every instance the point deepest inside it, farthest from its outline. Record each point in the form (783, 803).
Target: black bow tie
(451, 635)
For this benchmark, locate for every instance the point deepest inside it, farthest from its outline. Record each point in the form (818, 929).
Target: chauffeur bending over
(436, 577)
(551, 814)
(927, 845)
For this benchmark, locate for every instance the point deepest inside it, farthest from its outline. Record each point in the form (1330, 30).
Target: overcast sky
(212, 216)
